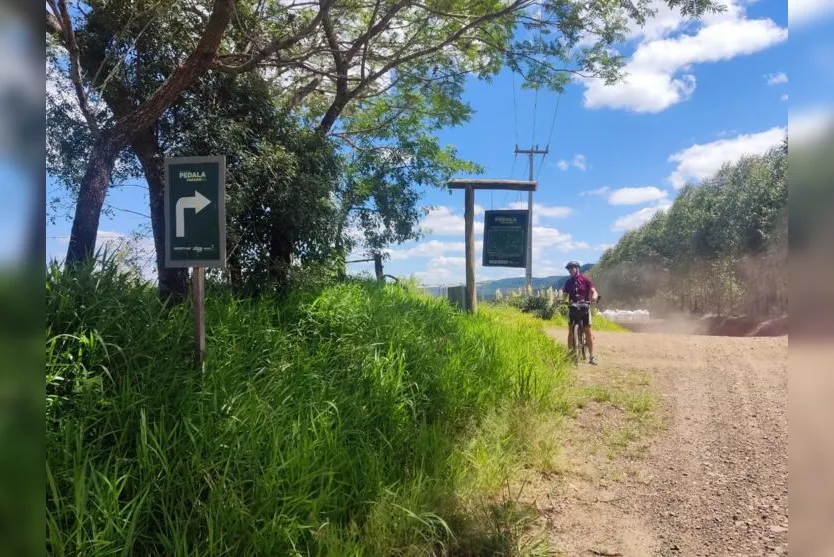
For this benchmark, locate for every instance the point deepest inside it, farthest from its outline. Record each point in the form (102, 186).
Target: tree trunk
(91, 197)
(280, 254)
(173, 282)
(112, 141)
(332, 114)
(234, 271)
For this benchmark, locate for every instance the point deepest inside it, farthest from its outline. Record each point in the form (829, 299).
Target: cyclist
(580, 288)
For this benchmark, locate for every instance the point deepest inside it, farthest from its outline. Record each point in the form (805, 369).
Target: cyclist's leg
(571, 336)
(571, 340)
(589, 339)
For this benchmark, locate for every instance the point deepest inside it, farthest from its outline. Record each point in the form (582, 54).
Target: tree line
(327, 110)
(721, 248)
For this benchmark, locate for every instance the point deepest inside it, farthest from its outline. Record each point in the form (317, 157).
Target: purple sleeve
(590, 285)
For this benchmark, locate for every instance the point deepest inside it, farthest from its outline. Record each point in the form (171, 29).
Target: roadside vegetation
(547, 306)
(721, 248)
(352, 419)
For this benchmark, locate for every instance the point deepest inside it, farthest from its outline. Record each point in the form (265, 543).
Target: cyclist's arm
(594, 293)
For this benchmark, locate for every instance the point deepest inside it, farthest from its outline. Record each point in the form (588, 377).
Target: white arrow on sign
(198, 202)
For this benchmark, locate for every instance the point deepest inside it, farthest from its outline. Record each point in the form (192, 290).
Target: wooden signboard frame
(469, 187)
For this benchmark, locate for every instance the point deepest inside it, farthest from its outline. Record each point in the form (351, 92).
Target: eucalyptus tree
(721, 246)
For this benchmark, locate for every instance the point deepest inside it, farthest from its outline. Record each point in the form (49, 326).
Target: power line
(535, 110)
(515, 110)
(550, 135)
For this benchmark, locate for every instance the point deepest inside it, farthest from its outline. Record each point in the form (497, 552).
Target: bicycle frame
(579, 343)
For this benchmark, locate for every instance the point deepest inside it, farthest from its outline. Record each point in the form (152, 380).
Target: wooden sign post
(469, 186)
(195, 227)
(198, 290)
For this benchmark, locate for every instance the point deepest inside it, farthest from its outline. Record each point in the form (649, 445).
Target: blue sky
(697, 96)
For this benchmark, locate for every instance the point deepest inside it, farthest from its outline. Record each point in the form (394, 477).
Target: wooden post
(198, 298)
(469, 217)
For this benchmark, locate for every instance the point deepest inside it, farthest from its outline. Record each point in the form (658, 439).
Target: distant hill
(486, 289)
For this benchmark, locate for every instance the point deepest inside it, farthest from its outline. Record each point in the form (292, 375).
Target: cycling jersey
(578, 288)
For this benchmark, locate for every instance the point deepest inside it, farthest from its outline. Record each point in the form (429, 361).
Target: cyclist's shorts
(582, 316)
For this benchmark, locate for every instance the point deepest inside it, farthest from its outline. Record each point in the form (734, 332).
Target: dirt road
(702, 472)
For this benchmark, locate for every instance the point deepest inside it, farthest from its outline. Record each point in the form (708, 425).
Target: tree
(341, 53)
(720, 247)
(139, 113)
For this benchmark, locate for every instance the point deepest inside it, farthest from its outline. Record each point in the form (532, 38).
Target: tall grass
(355, 420)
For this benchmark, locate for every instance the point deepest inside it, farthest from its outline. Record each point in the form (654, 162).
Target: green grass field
(360, 419)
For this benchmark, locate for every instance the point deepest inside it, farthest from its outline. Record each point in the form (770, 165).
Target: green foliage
(395, 77)
(541, 303)
(281, 177)
(721, 247)
(342, 421)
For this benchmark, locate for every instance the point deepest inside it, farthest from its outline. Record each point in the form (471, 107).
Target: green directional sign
(195, 212)
(505, 238)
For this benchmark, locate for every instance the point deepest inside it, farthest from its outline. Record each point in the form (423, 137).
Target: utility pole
(528, 272)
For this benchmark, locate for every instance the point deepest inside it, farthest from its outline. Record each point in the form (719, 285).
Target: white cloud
(430, 248)
(578, 161)
(636, 196)
(654, 79)
(802, 12)
(641, 91)
(701, 161)
(444, 222)
(784, 97)
(638, 218)
(443, 261)
(479, 210)
(443, 269)
(806, 124)
(776, 78)
(547, 237)
(665, 21)
(598, 191)
(543, 210)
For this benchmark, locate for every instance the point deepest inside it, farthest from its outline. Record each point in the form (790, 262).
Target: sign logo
(192, 176)
(195, 212)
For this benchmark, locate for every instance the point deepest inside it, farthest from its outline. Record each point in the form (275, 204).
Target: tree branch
(75, 71)
(113, 207)
(52, 25)
(182, 77)
(515, 6)
(277, 44)
(376, 29)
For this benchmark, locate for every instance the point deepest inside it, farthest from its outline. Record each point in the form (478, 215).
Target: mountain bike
(579, 343)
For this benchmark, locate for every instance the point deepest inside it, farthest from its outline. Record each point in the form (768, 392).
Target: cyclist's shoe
(592, 360)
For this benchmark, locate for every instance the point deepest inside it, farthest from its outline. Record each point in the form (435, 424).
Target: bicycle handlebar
(583, 303)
